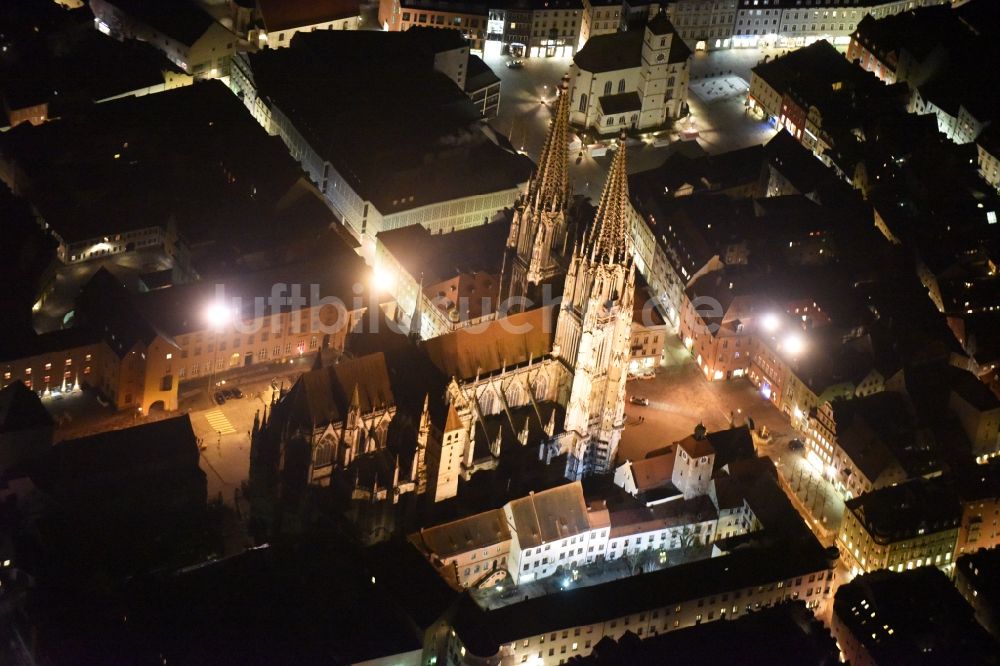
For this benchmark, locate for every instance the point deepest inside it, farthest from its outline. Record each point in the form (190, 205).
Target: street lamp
(770, 322)
(217, 316)
(793, 344)
(383, 280)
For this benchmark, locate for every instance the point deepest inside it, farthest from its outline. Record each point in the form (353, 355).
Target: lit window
(169, 356)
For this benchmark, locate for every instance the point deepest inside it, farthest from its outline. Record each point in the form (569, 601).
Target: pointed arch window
(621, 86)
(607, 88)
(541, 388)
(324, 451)
(583, 103)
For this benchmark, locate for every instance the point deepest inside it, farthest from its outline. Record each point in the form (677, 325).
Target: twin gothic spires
(609, 236)
(549, 189)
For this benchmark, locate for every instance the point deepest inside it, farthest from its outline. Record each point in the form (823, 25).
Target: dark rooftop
(438, 150)
(913, 617)
(437, 257)
(182, 20)
(622, 50)
(972, 390)
(21, 409)
(192, 154)
(766, 636)
(902, 511)
(876, 429)
(180, 309)
(981, 570)
(622, 103)
(436, 39)
(43, 343)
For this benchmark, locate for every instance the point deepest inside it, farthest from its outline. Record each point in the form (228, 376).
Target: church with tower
(636, 79)
(542, 385)
(568, 370)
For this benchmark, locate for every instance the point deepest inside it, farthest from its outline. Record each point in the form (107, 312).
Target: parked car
(515, 64)
(219, 397)
(237, 393)
(638, 400)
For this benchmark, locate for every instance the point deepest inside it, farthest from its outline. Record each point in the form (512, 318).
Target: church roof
(608, 53)
(461, 536)
(623, 50)
(550, 515)
(696, 448)
(621, 103)
(453, 422)
(486, 348)
(324, 395)
(660, 24)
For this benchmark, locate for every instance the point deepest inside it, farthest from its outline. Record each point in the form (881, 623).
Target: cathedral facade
(551, 375)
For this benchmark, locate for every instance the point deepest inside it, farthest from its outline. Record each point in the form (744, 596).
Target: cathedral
(563, 363)
(544, 384)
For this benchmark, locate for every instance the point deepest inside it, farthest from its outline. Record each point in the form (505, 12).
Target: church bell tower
(594, 327)
(537, 236)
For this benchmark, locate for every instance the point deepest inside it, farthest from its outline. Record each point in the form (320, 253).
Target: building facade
(704, 24)
(600, 17)
(901, 527)
(535, 29)
(466, 17)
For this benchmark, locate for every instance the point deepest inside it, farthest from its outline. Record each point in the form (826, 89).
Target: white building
(634, 80)
(554, 531)
(681, 500)
(793, 23)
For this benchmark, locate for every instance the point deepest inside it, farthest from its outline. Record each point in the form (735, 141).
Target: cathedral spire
(610, 232)
(550, 187)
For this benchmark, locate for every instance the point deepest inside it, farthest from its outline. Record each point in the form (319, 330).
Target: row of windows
(439, 19)
(724, 610)
(46, 381)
